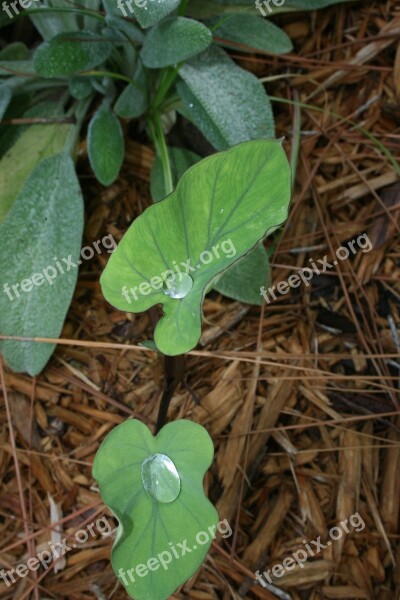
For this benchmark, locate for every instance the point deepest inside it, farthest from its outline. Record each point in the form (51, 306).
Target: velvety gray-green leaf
(80, 87)
(228, 104)
(32, 146)
(250, 33)
(5, 99)
(243, 280)
(174, 40)
(70, 53)
(43, 226)
(150, 12)
(15, 51)
(105, 145)
(130, 29)
(133, 101)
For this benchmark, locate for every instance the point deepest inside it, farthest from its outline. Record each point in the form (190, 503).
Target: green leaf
(70, 53)
(180, 161)
(244, 279)
(15, 51)
(44, 227)
(128, 28)
(220, 209)
(250, 33)
(80, 87)
(228, 104)
(5, 99)
(23, 67)
(34, 144)
(154, 487)
(150, 12)
(174, 40)
(105, 145)
(133, 101)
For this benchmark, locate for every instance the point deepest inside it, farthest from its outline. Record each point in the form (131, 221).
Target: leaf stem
(157, 135)
(174, 368)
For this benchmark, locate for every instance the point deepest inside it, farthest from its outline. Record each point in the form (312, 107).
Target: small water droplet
(221, 211)
(191, 105)
(160, 478)
(178, 286)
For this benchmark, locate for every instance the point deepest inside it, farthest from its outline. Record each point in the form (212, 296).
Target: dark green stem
(174, 369)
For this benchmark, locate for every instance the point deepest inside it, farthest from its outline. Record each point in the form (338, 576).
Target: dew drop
(160, 478)
(191, 105)
(178, 286)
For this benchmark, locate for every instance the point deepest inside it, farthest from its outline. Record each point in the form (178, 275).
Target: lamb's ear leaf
(45, 222)
(69, 53)
(243, 281)
(151, 12)
(248, 32)
(157, 516)
(228, 104)
(105, 145)
(221, 208)
(174, 40)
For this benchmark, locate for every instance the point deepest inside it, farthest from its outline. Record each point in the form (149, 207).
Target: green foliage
(232, 200)
(133, 101)
(45, 223)
(35, 144)
(244, 279)
(157, 507)
(228, 105)
(180, 160)
(105, 145)
(70, 53)
(249, 32)
(152, 12)
(174, 40)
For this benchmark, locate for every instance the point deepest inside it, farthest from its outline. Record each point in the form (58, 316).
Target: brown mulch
(301, 396)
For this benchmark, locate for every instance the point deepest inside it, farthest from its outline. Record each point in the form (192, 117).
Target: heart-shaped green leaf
(243, 280)
(220, 209)
(105, 145)
(174, 40)
(154, 487)
(70, 53)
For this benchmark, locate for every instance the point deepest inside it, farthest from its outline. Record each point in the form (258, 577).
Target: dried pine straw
(301, 397)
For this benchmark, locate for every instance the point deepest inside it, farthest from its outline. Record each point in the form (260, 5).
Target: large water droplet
(178, 286)
(160, 478)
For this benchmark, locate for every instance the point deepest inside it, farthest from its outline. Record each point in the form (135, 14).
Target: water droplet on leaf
(178, 286)
(160, 478)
